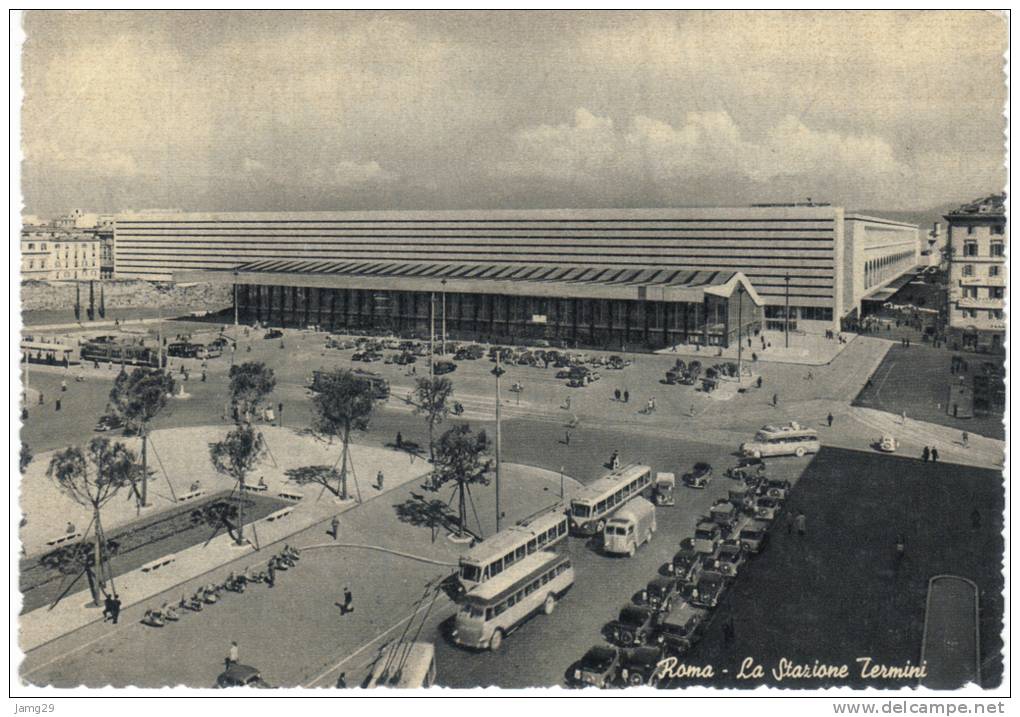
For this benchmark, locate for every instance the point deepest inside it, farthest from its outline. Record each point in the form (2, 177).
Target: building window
(998, 248)
(970, 292)
(993, 270)
(996, 292)
(970, 229)
(999, 229)
(43, 246)
(995, 314)
(968, 270)
(970, 248)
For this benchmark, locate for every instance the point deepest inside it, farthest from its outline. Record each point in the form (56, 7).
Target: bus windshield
(471, 572)
(580, 510)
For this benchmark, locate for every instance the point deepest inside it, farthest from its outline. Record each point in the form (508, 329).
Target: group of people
(210, 594)
(931, 454)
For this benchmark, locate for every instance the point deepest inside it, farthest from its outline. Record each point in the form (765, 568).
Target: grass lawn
(916, 380)
(837, 594)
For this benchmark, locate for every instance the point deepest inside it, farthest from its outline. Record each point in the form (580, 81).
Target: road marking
(368, 644)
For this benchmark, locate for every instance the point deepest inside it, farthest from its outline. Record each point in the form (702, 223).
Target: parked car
(686, 565)
(109, 422)
(746, 466)
(442, 367)
(753, 535)
(887, 444)
(775, 488)
(699, 476)
(707, 536)
(598, 667)
(640, 666)
(681, 627)
(635, 625)
(659, 593)
(405, 359)
(707, 590)
(730, 557)
(724, 514)
(767, 508)
(617, 362)
(371, 357)
(238, 675)
(665, 489)
(273, 334)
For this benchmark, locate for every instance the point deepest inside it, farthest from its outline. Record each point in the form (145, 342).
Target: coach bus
(592, 506)
(492, 556)
(496, 608)
(113, 352)
(380, 386)
(789, 440)
(405, 666)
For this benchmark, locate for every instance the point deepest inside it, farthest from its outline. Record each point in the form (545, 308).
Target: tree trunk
(97, 553)
(240, 510)
(432, 444)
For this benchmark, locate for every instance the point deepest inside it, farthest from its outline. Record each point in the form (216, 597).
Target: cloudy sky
(270, 111)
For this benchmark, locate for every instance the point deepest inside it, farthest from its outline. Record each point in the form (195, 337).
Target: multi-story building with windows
(977, 275)
(52, 253)
(604, 277)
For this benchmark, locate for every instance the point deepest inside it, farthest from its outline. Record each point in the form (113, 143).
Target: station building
(638, 278)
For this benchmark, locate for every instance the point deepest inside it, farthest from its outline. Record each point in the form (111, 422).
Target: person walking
(56, 404)
(934, 454)
(691, 411)
(115, 608)
(233, 655)
(107, 607)
(829, 419)
(903, 418)
(800, 523)
(566, 437)
(63, 384)
(759, 382)
(348, 605)
(925, 454)
(616, 395)
(334, 527)
(379, 480)
(400, 440)
(271, 572)
(626, 396)
(966, 440)
(775, 400)
(341, 681)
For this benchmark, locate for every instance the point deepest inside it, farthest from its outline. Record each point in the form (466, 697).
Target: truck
(629, 528)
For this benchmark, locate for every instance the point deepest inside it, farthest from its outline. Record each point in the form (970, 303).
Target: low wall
(123, 294)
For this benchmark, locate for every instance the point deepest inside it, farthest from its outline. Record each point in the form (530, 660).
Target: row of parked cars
(670, 615)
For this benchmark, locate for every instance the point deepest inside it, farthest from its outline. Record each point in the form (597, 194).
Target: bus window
(563, 528)
(495, 568)
(600, 507)
(581, 510)
(532, 545)
(521, 552)
(488, 613)
(470, 573)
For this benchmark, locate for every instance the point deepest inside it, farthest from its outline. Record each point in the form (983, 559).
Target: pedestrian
(271, 572)
(203, 376)
(379, 479)
(334, 526)
(566, 437)
(115, 608)
(966, 440)
(107, 608)
(616, 395)
(934, 454)
(626, 397)
(40, 398)
(400, 440)
(903, 418)
(691, 411)
(233, 655)
(775, 400)
(341, 681)
(56, 404)
(829, 419)
(800, 523)
(63, 384)
(759, 382)
(925, 454)
(754, 357)
(810, 375)
(279, 407)
(348, 605)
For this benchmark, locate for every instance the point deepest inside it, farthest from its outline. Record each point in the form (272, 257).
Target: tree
(137, 398)
(250, 385)
(460, 459)
(344, 402)
(235, 456)
(432, 400)
(25, 458)
(92, 477)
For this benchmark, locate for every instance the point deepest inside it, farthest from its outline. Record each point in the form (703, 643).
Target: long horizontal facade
(812, 258)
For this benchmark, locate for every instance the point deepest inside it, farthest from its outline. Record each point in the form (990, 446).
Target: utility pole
(442, 341)
(786, 314)
(497, 372)
(432, 331)
(233, 348)
(740, 324)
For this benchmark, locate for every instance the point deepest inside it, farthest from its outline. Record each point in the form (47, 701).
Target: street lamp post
(786, 313)
(497, 372)
(442, 340)
(432, 331)
(740, 324)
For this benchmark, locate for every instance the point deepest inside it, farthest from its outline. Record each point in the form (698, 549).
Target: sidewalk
(289, 450)
(805, 349)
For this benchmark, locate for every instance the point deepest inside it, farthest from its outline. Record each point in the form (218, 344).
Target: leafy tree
(432, 400)
(250, 385)
(344, 402)
(137, 398)
(460, 459)
(236, 456)
(25, 458)
(92, 477)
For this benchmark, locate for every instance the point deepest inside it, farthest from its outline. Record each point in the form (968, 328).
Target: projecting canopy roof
(606, 282)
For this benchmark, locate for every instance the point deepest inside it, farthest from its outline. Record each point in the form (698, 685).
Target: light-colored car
(887, 444)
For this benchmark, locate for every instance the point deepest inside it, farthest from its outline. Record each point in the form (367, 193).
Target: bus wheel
(799, 452)
(636, 679)
(549, 605)
(496, 640)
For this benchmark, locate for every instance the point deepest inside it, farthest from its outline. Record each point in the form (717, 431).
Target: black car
(681, 627)
(659, 593)
(442, 367)
(699, 476)
(640, 666)
(707, 590)
(405, 359)
(109, 422)
(635, 626)
(241, 676)
(598, 667)
(273, 334)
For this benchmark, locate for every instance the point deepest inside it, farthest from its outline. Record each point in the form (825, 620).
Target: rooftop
(992, 204)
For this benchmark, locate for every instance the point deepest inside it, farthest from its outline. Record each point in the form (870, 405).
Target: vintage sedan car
(659, 593)
(404, 359)
(371, 357)
(617, 363)
(707, 536)
(238, 675)
(753, 535)
(442, 367)
(273, 334)
(681, 627)
(636, 625)
(731, 556)
(640, 666)
(699, 475)
(707, 590)
(108, 422)
(774, 488)
(767, 508)
(724, 513)
(686, 564)
(598, 667)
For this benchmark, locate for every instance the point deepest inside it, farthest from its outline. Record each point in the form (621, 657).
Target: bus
(595, 503)
(496, 608)
(183, 349)
(789, 440)
(380, 386)
(46, 352)
(491, 557)
(405, 666)
(114, 352)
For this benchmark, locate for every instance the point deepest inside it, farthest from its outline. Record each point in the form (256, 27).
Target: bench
(291, 496)
(159, 563)
(190, 496)
(66, 538)
(256, 488)
(282, 513)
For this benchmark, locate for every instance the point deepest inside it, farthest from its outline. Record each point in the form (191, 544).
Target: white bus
(405, 666)
(630, 528)
(492, 556)
(790, 440)
(595, 503)
(496, 608)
